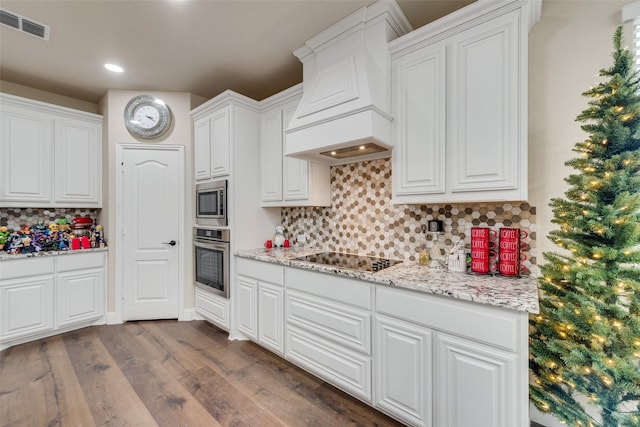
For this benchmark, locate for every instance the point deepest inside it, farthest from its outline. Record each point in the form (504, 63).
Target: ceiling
(198, 46)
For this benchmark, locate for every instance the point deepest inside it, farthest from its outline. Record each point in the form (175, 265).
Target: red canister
(482, 249)
(510, 255)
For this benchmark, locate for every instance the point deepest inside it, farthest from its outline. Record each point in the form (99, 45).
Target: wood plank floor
(165, 373)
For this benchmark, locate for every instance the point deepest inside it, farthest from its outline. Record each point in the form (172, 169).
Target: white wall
(114, 133)
(567, 48)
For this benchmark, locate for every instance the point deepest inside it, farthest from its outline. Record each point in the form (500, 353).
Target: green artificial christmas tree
(585, 343)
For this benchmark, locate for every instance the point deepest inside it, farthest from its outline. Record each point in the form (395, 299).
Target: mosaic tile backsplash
(14, 218)
(363, 220)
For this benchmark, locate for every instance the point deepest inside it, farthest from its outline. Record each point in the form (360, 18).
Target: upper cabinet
(212, 141)
(51, 155)
(460, 106)
(287, 181)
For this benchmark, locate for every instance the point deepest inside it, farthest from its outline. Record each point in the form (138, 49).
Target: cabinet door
(271, 316)
(487, 151)
(271, 155)
(248, 307)
(419, 107)
(78, 163)
(403, 370)
(202, 149)
(26, 307)
(295, 171)
(476, 385)
(26, 166)
(79, 296)
(220, 132)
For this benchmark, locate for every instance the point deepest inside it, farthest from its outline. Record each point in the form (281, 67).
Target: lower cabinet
(213, 308)
(403, 371)
(42, 296)
(260, 306)
(425, 360)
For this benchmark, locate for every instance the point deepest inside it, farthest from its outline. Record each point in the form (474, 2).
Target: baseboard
(112, 318)
(189, 314)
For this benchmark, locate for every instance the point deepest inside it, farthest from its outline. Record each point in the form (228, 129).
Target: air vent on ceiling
(24, 24)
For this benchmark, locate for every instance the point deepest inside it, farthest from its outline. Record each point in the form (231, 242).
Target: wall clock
(147, 117)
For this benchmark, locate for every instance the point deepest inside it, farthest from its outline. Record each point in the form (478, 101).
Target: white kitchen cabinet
(213, 308)
(328, 328)
(287, 181)
(202, 149)
(212, 144)
(460, 106)
(477, 360)
(27, 307)
(247, 306)
(270, 316)
(42, 296)
(51, 155)
(26, 148)
(403, 371)
(78, 177)
(80, 289)
(476, 384)
(260, 311)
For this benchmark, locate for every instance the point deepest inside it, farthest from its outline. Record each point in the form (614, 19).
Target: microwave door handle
(221, 203)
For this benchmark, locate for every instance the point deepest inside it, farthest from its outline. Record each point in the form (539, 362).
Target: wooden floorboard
(165, 373)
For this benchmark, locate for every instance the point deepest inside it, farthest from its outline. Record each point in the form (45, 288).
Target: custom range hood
(345, 112)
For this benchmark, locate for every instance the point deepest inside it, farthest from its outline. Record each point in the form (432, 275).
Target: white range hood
(345, 112)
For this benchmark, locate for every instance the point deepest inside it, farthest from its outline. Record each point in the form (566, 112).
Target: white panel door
(419, 129)
(248, 306)
(79, 296)
(271, 316)
(220, 123)
(271, 155)
(152, 195)
(78, 163)
(483, 126)
(26, 139)
(295, 171)
(403, 373)
(476, 384)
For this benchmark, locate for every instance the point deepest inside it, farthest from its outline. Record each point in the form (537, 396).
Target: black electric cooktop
(354, 262)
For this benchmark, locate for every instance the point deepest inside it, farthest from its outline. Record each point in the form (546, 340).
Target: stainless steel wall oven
(212, 259)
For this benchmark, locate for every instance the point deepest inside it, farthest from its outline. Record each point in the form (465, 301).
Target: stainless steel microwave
(211, 203)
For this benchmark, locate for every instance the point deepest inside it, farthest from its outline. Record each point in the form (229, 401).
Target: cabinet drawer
(342, 367)
(213, 309)
(14, 268)
(81, 261)
(343, 324)
(261, 270)
(341, 289)
(487, 324)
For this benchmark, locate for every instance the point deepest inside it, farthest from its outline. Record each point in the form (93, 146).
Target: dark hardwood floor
(165, 373)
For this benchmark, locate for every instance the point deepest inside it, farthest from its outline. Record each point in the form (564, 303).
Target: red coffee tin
(481, 246)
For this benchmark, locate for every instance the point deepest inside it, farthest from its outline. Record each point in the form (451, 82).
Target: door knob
(172, 243)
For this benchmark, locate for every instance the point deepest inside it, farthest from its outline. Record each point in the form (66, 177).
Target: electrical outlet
(302, 238)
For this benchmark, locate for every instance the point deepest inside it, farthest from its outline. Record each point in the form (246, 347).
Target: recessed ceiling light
(113, 67)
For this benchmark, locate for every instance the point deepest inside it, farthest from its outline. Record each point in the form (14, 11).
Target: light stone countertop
(514, 293)
(5, 256)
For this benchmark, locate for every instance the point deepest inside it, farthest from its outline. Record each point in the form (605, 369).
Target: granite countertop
(5, 256)
(514, 293)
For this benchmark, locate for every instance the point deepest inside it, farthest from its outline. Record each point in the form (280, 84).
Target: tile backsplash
(363, 220)
(14, 218)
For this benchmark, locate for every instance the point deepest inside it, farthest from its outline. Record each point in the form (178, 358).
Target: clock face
(147, 117)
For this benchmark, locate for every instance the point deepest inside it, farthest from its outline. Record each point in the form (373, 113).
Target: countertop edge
(526, 300)
(7, 257)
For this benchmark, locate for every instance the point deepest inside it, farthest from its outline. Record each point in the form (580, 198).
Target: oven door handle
(218, 246)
